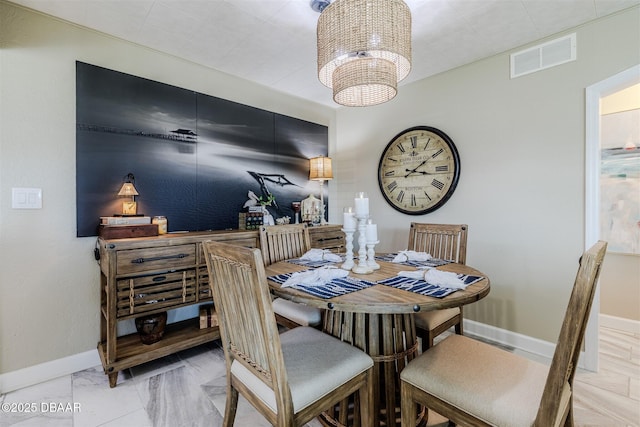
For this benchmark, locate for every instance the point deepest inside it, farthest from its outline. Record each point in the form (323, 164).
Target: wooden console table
(149, 275)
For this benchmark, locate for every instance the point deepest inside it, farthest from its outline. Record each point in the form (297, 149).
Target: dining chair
(477, 384)
(278, 243)
(444, 241)
(290, 378)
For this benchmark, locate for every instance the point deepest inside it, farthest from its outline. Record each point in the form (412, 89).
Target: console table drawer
(161, 291)
(204, 290)
(150, 259)
(327, 237)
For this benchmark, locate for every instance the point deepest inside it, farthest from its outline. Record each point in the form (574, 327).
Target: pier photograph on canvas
(196, 159)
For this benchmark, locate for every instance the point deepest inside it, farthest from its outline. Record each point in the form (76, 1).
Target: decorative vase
(267, 218)
(151, 328)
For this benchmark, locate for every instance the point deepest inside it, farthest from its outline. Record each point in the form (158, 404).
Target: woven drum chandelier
(364, 49)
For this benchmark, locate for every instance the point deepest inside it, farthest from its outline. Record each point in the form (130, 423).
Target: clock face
(419, 170)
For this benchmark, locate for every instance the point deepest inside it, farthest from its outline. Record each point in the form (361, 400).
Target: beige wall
(48, 280)
(521, 190)
(522, 185)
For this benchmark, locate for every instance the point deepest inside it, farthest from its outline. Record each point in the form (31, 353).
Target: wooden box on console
(127, 231)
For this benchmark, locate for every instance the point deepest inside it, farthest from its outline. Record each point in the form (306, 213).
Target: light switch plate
(26, 198)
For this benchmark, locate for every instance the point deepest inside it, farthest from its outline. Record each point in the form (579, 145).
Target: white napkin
(446, 279)
(320, 255)
(404, 256)
(414, 274)
(317, 277)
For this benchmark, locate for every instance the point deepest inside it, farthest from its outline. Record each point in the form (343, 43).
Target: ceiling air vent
(545, 55)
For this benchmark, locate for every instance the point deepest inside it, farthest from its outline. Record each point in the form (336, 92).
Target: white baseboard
(620, 324)
(47, 371)
(535, 346)
(538, 347)
(36, 374)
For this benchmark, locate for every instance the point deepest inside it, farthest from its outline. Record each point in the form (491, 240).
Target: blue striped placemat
(433, 262)
(311, 264)
(424, 288)
(334, 288)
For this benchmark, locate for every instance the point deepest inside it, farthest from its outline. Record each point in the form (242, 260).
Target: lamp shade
(320, 169)
(128, 190)
(364, 49)
(368, 81)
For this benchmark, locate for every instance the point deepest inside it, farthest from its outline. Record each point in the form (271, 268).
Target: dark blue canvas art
(195, 157)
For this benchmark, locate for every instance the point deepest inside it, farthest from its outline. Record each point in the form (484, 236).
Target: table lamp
(320, 170)
(129, 207)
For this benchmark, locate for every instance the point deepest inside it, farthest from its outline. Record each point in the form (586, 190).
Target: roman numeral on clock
(400, 147)
(439, 185)
(400, 196)
(414, 141)
(443, 168)
(392, 186)
(413, 200)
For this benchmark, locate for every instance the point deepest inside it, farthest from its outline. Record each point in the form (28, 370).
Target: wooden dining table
(379, 320)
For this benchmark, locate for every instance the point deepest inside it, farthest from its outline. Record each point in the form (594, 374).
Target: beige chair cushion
(430, 319)
(299, 313)
(499, 387)
(308, 355)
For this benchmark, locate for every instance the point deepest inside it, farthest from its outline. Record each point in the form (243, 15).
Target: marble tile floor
(188, 389)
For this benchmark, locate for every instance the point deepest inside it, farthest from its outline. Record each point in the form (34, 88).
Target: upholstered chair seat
(312, 372)
(472, 366)
(299, 314)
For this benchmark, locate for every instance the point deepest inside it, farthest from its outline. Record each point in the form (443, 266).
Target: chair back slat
(280, 242)
(565, 358)
(248, 328)
(445, 241)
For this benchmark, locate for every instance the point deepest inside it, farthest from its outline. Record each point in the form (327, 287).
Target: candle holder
(362, 267)
(295, 206)
(371, 255)
(348, 258)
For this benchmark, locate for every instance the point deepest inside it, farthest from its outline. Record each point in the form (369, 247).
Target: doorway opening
(618, 82)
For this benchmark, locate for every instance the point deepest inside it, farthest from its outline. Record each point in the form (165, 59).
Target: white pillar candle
(349, 222)
(372, 233)
(362, 204)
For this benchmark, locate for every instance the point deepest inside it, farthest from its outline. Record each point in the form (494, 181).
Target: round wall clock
(419, 170)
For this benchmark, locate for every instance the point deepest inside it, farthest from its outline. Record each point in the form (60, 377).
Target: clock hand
(430, 173)
(414, 169)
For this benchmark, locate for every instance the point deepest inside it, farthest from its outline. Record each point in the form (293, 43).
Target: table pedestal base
(390, 340)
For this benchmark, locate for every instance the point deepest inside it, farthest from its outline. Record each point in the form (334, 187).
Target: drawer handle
(160, 278)
(323, 239)
(157, 258)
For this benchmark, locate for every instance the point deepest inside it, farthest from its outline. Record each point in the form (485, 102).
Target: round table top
(382, 298)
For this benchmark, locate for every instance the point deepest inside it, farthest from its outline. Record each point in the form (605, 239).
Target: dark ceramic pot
(151, 327)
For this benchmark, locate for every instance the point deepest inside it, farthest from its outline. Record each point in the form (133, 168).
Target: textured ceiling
(272, 42)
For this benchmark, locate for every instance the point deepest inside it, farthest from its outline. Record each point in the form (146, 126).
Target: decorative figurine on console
(310, 210)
